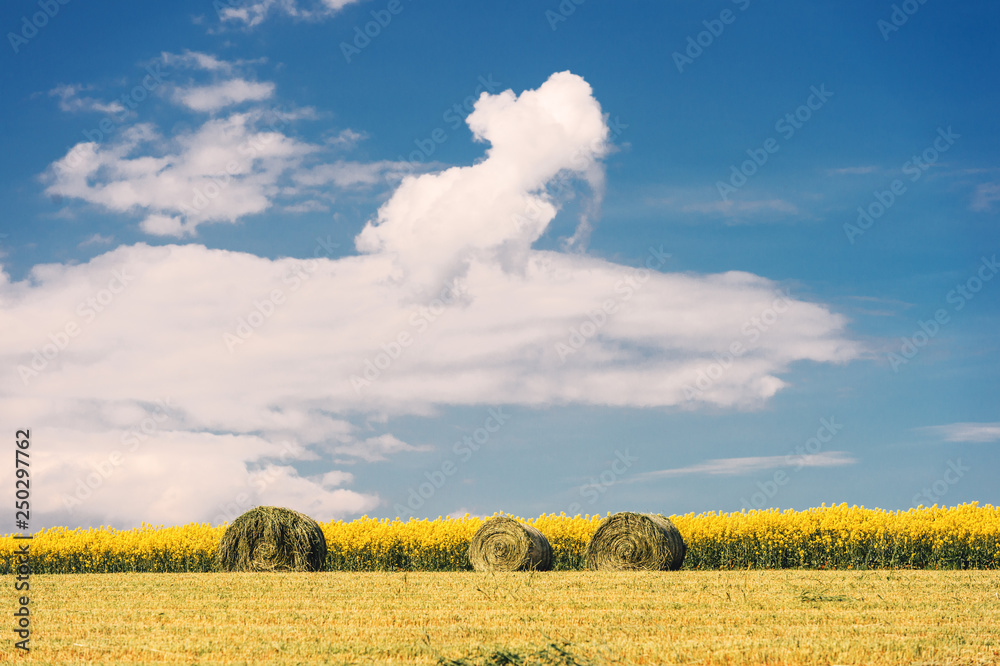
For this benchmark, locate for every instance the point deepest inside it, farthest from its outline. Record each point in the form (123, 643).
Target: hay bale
(628, 541)
(270, 538)
(504, 544)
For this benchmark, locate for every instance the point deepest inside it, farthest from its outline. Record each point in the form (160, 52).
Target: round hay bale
(504, 544)
(630, 541)
(270, 538)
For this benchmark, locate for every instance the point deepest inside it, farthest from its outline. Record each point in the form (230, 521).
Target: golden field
(837, 537)
(776, 617)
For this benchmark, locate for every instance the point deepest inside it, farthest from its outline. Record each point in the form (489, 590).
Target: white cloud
(224, 170)
(984, 196)
(852, 171)
(96, 239)
(227, 88)
(166, 225)
(346, 138)
(71, 101)
(376, 449)
(435, 224)
(967, 432)
(197, 60)
(256, 351)
(228, 168)
(310, 206)
(734, 208)
(254, 12)
(219, 95)
(750, 465)
(336, 478)
(347, 174)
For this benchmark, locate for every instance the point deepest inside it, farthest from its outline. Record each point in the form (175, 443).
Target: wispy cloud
(984, 196)
(346, 138)
(376, 449)
(196, 60)
(966, 432)
(310, 206)
(254, 12)
(71, 101)
(228, 81)
(751, 465)
(852, 171)
(733, 208)
(343, 173)
(879, 307)
(96, 239)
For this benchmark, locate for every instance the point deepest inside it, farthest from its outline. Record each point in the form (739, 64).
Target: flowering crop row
(837, 537)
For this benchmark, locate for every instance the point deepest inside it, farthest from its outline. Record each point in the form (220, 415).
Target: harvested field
(708, 617)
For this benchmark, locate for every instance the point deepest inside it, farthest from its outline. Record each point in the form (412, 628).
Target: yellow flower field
(837, 537)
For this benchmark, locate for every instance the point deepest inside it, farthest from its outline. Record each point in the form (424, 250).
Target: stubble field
(570, 617)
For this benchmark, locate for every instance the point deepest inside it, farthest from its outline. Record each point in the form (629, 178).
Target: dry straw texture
(635, 541)
(505, 544)
(269, 538)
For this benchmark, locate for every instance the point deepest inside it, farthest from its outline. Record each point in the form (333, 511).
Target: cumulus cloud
(436, 224)
(447, 303)
(231, 166)
(226, 169)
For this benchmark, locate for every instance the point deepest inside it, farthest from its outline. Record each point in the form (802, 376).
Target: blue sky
(530, 258)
